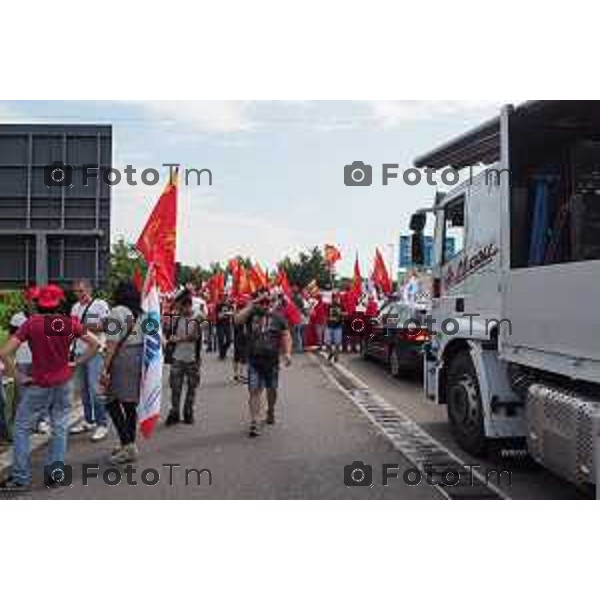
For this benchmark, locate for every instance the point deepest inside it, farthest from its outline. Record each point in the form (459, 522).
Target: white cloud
(206, 116)
(206, 232)
(388, 114)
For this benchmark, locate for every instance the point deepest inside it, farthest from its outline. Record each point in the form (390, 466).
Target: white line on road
(405, 435)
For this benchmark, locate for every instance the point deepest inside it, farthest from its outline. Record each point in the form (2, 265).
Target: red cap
(31, 293)
(49, 296)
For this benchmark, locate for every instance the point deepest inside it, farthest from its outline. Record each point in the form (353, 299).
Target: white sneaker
(43, 427)
(100, 433)
(82, 427)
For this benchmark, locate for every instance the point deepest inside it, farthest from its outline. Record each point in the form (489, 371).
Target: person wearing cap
(49, 334)
(23, 360)
(91, 312)
(23, 357)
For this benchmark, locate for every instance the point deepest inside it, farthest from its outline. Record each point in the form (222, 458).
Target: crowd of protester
(93, 350)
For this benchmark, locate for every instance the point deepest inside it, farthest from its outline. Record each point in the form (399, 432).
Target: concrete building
(49, 230)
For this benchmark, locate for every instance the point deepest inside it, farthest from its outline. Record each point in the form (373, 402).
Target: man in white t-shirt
(91, 312)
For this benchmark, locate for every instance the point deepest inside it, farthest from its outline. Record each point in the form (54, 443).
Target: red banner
(157, 242)
(381, 277)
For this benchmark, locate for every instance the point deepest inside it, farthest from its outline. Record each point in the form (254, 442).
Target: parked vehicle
(396, 337)
(519, 358)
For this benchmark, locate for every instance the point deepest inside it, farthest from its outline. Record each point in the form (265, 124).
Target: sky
(278, 169)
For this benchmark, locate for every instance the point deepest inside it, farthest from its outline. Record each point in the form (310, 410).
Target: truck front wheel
(465, 411)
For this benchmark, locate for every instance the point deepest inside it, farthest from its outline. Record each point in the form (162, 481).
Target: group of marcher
(102, 345)
(48, 347)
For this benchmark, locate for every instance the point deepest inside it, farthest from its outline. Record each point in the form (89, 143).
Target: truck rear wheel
(465, 411)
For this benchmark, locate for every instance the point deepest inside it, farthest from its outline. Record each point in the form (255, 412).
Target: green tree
(306, 267)
(11, 302)
(124, 259)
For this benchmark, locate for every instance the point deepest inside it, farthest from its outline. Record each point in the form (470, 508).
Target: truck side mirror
(417, 222)
(417, 248)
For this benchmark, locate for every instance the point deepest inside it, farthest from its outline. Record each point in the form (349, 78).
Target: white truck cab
(516, 353)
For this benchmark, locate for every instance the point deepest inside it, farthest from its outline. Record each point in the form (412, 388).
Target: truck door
(452, 233)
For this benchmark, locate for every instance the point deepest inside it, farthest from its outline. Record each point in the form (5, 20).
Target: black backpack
(263, 353)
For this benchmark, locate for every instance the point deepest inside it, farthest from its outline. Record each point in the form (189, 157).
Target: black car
(396, 337)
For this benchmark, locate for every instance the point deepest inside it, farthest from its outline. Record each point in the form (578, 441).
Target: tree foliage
(124, 259)
(308, 266)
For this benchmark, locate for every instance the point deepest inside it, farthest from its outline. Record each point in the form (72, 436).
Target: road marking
(428, 455)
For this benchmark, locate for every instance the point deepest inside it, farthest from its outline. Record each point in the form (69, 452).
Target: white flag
(152, 363)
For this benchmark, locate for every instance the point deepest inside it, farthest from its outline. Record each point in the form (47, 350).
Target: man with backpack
(182, 352)
(268, 336)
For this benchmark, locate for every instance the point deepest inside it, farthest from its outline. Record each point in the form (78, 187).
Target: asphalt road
(529, 481)
(318, 432)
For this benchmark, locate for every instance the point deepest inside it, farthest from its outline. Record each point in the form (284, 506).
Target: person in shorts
(268, 336)
(335, 330)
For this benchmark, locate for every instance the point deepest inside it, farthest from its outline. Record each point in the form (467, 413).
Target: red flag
(283, 281)
(332, 254)
(356, 288)
(244, 284)
(258, 277)
(157, 241)
(216, 286)
(234, 266)
(380, 274)
(292, 312)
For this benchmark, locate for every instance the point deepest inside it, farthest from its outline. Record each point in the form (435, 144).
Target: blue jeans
(93, 411)
(54, 401)
(334, 336)
(299, 338)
